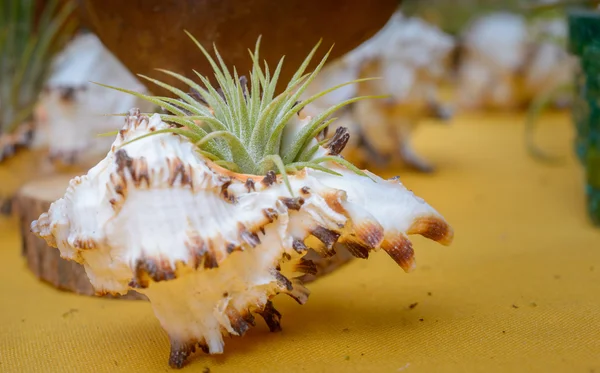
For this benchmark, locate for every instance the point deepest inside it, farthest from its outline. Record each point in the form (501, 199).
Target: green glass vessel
(584, 42)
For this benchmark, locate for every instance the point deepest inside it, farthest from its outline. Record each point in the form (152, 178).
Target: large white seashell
(209, 247)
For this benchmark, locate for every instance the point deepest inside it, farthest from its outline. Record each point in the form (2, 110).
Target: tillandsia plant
(252, 131)
(27, 47)
(214, 208)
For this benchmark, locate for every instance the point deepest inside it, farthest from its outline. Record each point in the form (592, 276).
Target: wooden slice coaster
(45, 262)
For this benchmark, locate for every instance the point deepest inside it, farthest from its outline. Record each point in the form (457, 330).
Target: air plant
(212, 208)
(27, 48)
(248, 130)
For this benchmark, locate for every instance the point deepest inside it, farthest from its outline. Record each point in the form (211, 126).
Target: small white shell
(75, 107)
(209, 247)
(507, 62)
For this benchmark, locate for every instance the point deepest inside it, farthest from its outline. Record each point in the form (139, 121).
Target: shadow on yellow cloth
(518, 291)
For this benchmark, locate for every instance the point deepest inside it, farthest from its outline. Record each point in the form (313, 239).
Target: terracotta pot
(40, 6)
(148, 34)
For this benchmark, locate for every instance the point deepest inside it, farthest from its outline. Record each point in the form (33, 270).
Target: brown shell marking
(135, 285)
(229, 197)
(231, 247)
(201, 252)
(248, 237)
(271, 316)
(148, 268)
(269, 179)
(299, 246)
(270, 214)
(305, 190)
(119, 185)
(239, 323)
(306, 266)
(369, 233)
(123, 161)
(133, 120)
(181, 351)
(327, 236)
(338, 141)
(84, 244)
(433, 228)
(138, 168)
(139, 172)
(283, 282)
(332, 199)
(367, 236)
(400, 249)
(249, 184)
(178, 169)
(298, 292)
(292, 203)
(357, 249)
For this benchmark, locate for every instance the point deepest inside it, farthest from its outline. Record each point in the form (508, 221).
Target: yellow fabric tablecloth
(518, 291)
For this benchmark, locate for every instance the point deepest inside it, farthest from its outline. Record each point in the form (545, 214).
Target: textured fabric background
(518, 291)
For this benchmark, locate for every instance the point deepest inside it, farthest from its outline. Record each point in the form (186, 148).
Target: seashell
(70, 99)
(411, 57)
(209, 247)
(507, 62)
